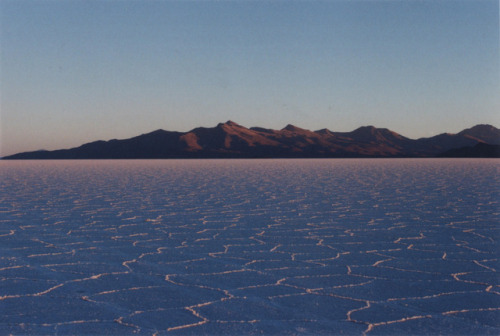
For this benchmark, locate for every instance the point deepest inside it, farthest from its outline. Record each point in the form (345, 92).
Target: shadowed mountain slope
(231, 140)
(480, 150)
(483, 133)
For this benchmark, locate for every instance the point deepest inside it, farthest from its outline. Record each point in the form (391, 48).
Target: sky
(74, 71)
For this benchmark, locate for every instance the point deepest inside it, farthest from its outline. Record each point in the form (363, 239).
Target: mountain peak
(365, 131)
(292, 128)
(481, 127)
(228, 124)
(324, 131)
(486, 133)
(231, 123)
(369, 128)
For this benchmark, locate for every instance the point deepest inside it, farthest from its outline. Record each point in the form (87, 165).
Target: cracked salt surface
(250, 247)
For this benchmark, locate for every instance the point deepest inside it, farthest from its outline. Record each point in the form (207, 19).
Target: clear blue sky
(79, 71)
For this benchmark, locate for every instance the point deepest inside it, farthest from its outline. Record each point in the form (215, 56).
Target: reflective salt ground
(250, 247)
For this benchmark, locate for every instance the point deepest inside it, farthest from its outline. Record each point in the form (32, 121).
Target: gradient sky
(78, 71)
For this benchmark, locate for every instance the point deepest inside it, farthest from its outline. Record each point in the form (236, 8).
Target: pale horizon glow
(78, 71)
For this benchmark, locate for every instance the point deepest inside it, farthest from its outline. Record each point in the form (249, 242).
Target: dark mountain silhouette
(483, 133)
(481, 150)
(231, 140)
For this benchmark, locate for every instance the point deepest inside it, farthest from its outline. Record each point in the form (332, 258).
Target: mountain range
(231, 140)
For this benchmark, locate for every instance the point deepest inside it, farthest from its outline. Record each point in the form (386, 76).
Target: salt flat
(407, 246)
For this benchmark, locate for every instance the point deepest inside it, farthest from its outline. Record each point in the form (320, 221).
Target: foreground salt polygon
(250, 246)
